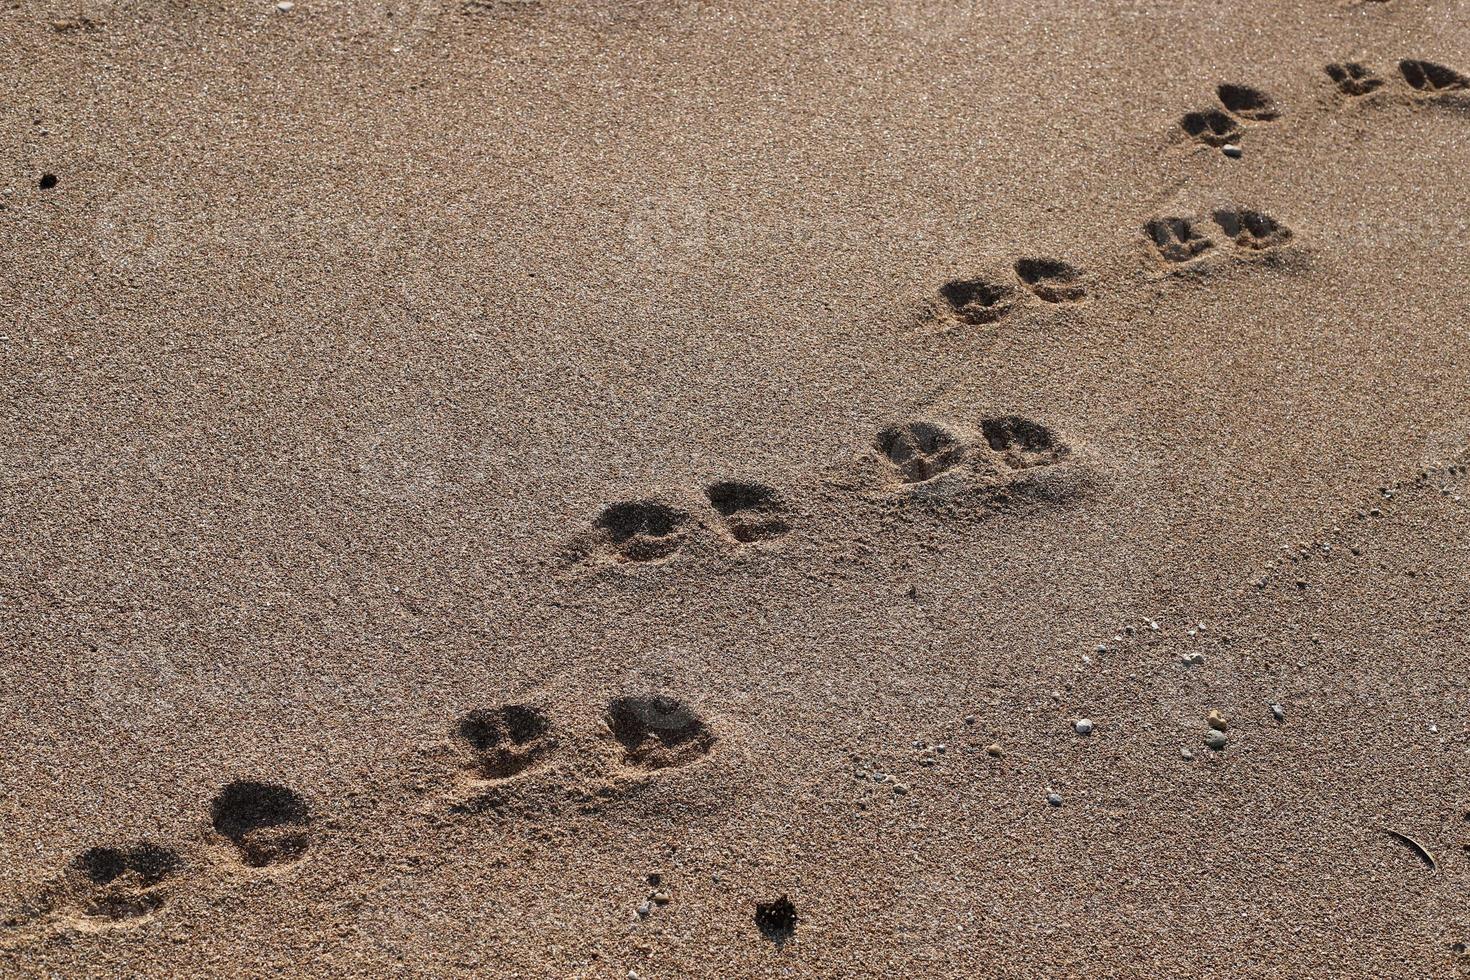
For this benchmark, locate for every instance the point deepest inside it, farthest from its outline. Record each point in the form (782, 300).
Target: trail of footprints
(914, 460)
(262, 826)
(257, 825)
(251, 825)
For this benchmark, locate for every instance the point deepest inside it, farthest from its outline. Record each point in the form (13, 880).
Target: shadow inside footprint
(1247, 103)
(642, 530)
(266, 822)
(1426, 76)
(776, 920)
(1023, 443)
(657, 731)
(1176, 239)
(1352, 78)
(504, 741)
(1210, 126)
(920, 450)
(751, 511)
(1251, 229)
(977, 301)
(1052, 280)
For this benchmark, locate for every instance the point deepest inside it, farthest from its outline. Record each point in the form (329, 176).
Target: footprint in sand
(950, 464)
(1251, 230)
(1179, 240)
(920, 451)
(1240, 105)
(657, 731)
(1429, 78)
(105, 887)
(1022, 443)
(1353, 79)
(499, 743)
(750, 511)
(1051, 280)
(266, 823)
(1176, 239)
(1210, 126)
(972, 302)
(1247, 103)
(639, 531)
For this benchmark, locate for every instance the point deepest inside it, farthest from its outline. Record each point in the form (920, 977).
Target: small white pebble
(1231, 150)
(1186, 754)
(285, 6)
(1082, 726)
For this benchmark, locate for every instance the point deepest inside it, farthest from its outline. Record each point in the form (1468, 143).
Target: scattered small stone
(662, 897)
(1278, 712)
(994, 751)
(1054, 798)
(880, 777)
(285, 6)
(899, 789)
(1217, 721)
(1082, 726)
(1216, 740)
(1231, 150)
(940, 748)
(1186, 754)
(969, 719)
(645, 909)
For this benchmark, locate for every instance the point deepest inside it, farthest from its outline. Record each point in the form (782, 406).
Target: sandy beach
(686, 488)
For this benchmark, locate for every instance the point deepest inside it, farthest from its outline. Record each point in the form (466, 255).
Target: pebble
(1186, 754)
(285, 6)
(1083, 726)
(1231, 150)
(1216, 740)
(1055, 799)
(900, 789)
(645, 909)
(1217, 721)
(1278, 712)
(994, 751)
(969, 719)
(662, 897)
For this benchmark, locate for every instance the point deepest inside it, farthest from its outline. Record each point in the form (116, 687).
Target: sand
(575, 488)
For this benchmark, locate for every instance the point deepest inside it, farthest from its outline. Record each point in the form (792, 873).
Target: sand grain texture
(488, 489)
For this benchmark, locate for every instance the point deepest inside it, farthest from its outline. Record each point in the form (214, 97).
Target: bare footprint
(657, 731)
(268, 824)
(1251, 229)
(920, 450)
(1177, 239)
(1353, 79)
(502, 742)
(1052, 280)
(1432, 79)
(751, 511)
